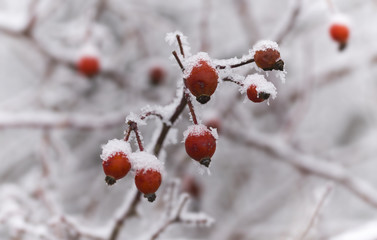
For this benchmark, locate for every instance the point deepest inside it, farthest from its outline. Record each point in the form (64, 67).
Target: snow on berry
(195, 61)
(145, 161)
(261, 84)
(264, 45)
(341, 19)
(115, 146)
(198, 130)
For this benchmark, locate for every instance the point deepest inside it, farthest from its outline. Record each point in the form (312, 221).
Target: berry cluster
(201, 76)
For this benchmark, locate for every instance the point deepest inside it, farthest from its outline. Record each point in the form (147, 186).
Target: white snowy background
(302, 167)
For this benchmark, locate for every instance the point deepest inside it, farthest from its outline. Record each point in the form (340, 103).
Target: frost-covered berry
(88, 65)
(115, 160)
(339, 30)
(200, 143)
(256, 97)
(157, 75)
(202, 81)
(267, 56)
(147, 173)
(258, 88)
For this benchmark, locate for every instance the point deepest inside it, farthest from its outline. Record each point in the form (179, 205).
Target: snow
(340, 19)
(194, 61)
(171, 39)
(263, 45)
(262, 85)
(197, 130)
(114, 146)
(133, 117)
(145, 161)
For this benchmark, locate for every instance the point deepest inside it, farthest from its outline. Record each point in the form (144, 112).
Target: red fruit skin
(157, 76)
(148, 181)
(200, 147)
(339, 33)
(88, 65)
(266, 59)
(252, 94)
(202, 79)
(117, 166)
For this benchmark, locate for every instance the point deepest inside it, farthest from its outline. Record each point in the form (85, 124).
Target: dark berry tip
(203, 99)
(342, 46)
(279, 65)
(264, 95)
(150, 196)
(110, 180)
(205, 161)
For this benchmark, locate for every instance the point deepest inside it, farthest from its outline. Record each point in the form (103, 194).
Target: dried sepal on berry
(258, 88)
(201, 77)
(200, 143)
(267, 56)
(148, 173)
(115, 160)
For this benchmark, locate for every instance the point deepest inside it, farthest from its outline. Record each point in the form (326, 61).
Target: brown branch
(244, 62)
(191, 107)
(229, 79)
(152, 113)
(178, 61)
(180, 45)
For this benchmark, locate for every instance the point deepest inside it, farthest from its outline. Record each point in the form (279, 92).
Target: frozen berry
(340, 33)
(88, 65)
(116, 167)
(202, 81)
(256, 97)
(200, 144)
(269, 59)
(148, 181)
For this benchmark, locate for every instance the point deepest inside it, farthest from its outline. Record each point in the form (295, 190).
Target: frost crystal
(194, 61)
(135, 118)
(171, 39)
(197, 130)
(114, 146)
(145, 161)
(261, 84)
(263, 45)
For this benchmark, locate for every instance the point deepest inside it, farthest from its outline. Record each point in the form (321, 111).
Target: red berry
(157, 75)
(148, 182)
(200, 145)
(254, 96)
(88, 65)
(269, 59)
(202, 81)
(339, 32)
(116, 167)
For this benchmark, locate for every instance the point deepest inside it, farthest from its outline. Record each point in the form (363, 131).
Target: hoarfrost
(195, 130)
(194, 61)
(113, 146)
(263, 45)
(262, 85)
(145, 161)
(171, 39)
(135, 118)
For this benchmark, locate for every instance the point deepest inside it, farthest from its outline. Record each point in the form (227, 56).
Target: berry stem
(180, 45)
(178, 60)
(133, 127)
(191, 107)
(237, 64)
(229, 79)
(127, 134)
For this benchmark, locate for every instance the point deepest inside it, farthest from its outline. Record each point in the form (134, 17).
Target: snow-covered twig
(49, 120)
(316, 211)
(280, 150)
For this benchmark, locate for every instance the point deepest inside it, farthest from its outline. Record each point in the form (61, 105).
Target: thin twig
(191, 107)
(316, 211)
(244, 62)
(229, 79)
(180, 45)
(178, 61)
